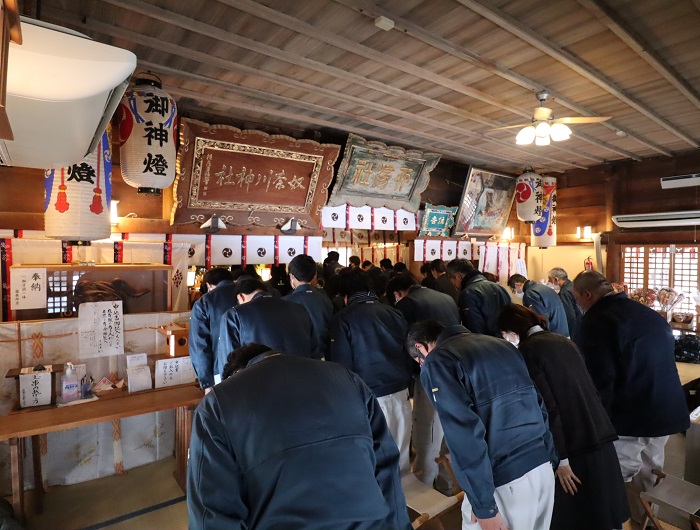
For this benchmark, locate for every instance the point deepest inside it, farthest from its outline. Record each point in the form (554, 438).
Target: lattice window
(659, 267)
(61, 284)
(633, 259)
(655, 267)
(685, 275)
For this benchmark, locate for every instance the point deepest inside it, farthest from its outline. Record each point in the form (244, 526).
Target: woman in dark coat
(590, 493)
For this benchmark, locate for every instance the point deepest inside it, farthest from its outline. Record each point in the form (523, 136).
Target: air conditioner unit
(652, 220)
(62, 90)
(680, 181)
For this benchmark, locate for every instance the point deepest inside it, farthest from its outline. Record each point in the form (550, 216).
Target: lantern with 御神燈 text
(147, 131)
(76, 200)
(528, 196)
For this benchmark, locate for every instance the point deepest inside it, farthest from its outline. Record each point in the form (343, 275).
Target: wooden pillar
(613, 207)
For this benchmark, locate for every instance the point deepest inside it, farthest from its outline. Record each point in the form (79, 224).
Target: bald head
(589, 287)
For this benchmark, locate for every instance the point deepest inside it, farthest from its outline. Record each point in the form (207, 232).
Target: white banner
(449, 250)
(334, 216)
(260, 249)
(383, 219)
(289, 247)
(360, 217)
(226, 250)
(405, 220)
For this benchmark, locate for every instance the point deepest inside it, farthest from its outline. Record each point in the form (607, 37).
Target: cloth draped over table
(98, 450)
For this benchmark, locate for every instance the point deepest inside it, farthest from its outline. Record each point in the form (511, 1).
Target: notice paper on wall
(28, 288)
(35, 389)
(101, 329)
(177, 371)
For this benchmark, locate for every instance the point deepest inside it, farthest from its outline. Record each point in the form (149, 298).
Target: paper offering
(35, 389)
(177, 371)
(139, 378)
(137, 359)
(101, 329)
(28, 288)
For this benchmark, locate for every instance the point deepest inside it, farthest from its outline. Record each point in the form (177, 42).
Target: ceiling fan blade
(582, 119)
(542, 113)
(510, 126)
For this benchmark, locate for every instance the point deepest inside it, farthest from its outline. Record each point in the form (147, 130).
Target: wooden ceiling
(446, 75)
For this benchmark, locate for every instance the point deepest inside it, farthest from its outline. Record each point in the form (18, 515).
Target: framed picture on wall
(486, 203)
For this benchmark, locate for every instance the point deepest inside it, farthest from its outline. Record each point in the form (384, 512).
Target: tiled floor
(148, 498)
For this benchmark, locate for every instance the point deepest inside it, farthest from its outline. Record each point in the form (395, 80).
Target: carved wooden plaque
(374, 174)
(250, 177)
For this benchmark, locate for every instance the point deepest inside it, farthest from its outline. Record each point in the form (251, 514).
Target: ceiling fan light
(542, 130)
(526, 136)
(560, 132)
(542, 140)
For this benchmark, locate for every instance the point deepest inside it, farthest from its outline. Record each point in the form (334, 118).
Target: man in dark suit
(418, 303)
(264, 319)
(204, 323)
(559, 277)
(542, 300)
(288, 442)
(302, 271)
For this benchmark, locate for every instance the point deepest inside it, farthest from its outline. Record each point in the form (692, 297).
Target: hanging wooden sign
(374, 174)
(250, 177)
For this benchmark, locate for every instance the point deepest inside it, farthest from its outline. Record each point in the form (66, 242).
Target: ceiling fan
(544, 126)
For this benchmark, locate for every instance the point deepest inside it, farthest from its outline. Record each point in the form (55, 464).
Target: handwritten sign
(178, 371)
(101, 329)
(35, 389)
(28, 288)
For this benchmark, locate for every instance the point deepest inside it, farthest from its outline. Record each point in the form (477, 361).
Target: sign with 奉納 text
(28, 288)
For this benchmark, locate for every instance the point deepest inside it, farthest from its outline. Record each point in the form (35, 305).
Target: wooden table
(29, 423)
(688, 372)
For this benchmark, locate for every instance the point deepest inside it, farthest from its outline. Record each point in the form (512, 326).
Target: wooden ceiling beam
(294, 24)
(115, 32)
(463, 156)
(510, 24)
(233, 87)
(417, 32)
(627, 35)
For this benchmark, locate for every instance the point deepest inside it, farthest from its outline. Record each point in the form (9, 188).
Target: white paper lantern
(147, 132)
(544, 230)
(77, 198)
(528, 196)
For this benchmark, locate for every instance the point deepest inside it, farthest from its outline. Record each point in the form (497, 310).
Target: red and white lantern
(544, 230)
(77, 198)
(147, 134)
(528, 196)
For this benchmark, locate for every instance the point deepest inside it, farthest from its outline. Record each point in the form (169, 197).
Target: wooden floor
(145, 498)
(148, 497)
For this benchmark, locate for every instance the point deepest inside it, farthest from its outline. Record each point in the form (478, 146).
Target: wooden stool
(673, 494)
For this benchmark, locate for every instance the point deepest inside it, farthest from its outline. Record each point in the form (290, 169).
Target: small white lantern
(147, 133)
(528, 196)
(76, 198)
(544, 230)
